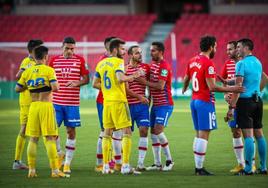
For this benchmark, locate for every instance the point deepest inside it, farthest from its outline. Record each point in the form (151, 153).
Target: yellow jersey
(37, 78)
(25, 98)
(106, 70)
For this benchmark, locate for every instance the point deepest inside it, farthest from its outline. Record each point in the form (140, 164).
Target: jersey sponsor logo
(65, 72)
(211, 70)
(164, 72)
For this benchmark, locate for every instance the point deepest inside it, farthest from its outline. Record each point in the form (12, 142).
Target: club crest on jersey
(164, 72)
(211, 70)
(65, 72)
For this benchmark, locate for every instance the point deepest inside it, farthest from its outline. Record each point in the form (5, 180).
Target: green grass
(219, 159)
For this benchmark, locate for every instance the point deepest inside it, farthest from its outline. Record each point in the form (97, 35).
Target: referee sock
(99, 149)
(117, 146)
(52, 153)
(200, 152)
(156, 149)
(106, 145)
(70, 148)
(20, 143)
(262, 149)
(164, 143)
(249, 153)
(126, 145)
(31, 154)
(239, 150)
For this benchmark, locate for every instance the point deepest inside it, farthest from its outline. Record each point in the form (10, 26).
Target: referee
(249, 105)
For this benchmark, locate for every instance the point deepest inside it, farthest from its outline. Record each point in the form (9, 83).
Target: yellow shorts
(116, 115)
(24, 111)
(41, 120)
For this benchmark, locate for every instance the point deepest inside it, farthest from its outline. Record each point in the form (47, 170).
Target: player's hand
(73, 84)
(227, 97)
(143, 100)
(237, 89)
(141, 80)
(139, 73)
(229, 115)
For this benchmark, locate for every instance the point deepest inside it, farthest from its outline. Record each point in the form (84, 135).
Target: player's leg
(238, 147)
(156, 146)
(71, 121)
(117, 150)
(20, 141)
(163, 113)
(143, 122)
(59, 109)
(49, 131)
(31, 156)
(99, 155)
(206, 121)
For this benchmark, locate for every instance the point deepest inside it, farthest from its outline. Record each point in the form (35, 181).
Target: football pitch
(219, 158)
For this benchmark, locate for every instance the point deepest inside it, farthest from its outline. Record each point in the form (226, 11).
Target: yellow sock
(126, 145)
(31, 154)
(52, 153)
(106, 145)
(20, 143)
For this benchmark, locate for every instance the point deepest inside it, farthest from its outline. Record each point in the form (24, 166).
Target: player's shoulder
(81, 58)
(165, 64)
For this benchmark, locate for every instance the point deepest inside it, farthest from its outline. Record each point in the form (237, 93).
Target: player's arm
(186, 82)
(160, 85)
(131, 93)
(264, 80)
(21, 85)
(83, 81)
(19, 73)
(96, 82)
(121, 77)
(211, 82)
(238, 81)
(54, 86)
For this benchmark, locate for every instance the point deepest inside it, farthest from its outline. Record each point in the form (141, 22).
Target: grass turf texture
(220, 157)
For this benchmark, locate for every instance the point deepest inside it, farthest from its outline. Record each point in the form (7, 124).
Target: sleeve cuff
(119, 71)
(97, 75)
(51, 81)
(19, 85)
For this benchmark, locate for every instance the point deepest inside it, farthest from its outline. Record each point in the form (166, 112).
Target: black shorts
(249, 113)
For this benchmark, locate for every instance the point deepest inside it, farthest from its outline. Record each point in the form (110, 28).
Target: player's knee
(34, 139)
(71, 132)
(143, 131)
(258, 133)
(236, 133)
(127, 131)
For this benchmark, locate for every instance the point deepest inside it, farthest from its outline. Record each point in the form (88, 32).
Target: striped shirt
(228, 71)
(161, 71)
(70, 69)
(135, 86)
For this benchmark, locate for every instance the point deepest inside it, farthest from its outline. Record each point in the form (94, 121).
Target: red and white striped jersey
(66, 70)
(135, 86)
(161, 71)
(228, 71)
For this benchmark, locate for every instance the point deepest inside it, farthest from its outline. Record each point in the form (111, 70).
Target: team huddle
(49, 95)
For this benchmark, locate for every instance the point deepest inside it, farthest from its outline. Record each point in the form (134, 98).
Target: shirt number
(195, 82)
(107, 81)
(37, 82)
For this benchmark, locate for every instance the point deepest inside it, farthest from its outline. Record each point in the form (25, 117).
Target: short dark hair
(108, 39)
(233, 42)
(160, 46)
(247, 42)
(206, 42)
(33, 44)
(130, 50)
(69, 40)
(115, 43)
(40, 52)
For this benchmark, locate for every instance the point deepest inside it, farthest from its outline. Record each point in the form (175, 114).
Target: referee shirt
(250, 68)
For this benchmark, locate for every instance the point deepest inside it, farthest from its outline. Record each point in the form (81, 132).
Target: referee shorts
(249, 113)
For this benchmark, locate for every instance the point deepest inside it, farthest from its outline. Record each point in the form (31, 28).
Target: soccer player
(201, 71)
(138, 103)
(40, 80)
(160, 91)
(24, 101)
(71, 71)
(249, 105)
(111, 79)
(228, 73)
(117, 134)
